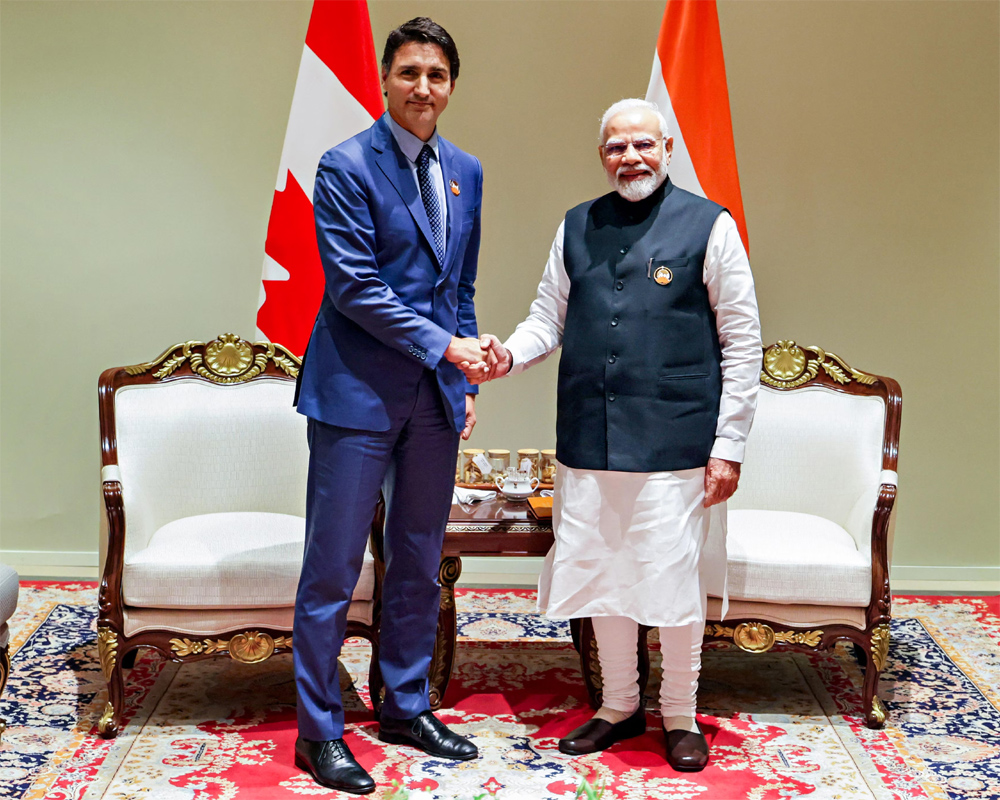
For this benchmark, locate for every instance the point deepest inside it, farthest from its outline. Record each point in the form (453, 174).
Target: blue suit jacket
(390, 308)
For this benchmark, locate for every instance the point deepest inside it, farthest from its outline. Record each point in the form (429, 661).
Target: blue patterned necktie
(430, 198)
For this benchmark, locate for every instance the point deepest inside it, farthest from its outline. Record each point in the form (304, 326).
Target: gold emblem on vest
(663, 276)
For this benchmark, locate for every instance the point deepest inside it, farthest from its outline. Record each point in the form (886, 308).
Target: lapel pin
(454, 188)
(663, 276)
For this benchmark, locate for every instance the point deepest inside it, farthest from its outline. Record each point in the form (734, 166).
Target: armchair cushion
(8, 600)
(188, 447)
(791, 557)
(226, 560)
(817, 451)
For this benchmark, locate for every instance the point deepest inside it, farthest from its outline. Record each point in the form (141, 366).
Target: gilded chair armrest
(113, 551)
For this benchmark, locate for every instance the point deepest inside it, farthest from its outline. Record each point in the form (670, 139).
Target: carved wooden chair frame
(787, 367)
(228, 360)
(4, 674)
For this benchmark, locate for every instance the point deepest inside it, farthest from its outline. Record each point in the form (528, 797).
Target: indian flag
(689, 86)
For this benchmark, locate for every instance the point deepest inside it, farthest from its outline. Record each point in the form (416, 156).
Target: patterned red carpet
(781, 724)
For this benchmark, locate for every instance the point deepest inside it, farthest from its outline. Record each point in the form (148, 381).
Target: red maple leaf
(290, 306)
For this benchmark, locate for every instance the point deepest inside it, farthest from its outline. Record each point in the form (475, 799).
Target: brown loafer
(686, 751)
(598, 734)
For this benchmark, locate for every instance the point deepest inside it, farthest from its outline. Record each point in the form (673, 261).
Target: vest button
(620, 285)
(623, 251)
(611, 397)
(614, 322)
(613, 359)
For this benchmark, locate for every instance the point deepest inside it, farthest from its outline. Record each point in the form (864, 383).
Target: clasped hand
(484, 359)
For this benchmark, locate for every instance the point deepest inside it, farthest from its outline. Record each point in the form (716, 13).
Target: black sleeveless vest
(640, 373)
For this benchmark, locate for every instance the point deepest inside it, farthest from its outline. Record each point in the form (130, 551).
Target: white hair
(629, 104)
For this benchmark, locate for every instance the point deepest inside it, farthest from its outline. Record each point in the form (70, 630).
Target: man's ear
(385, 74)
(668, 148)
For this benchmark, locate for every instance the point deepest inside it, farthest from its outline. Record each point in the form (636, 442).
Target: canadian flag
(337, 95)
(689, 85)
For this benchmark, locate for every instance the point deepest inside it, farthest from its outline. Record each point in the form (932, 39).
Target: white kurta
(641, 545)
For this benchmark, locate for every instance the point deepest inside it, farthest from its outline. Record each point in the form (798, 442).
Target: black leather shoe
(332, 765)
(686, 751)
(598, 734)
(427, 733)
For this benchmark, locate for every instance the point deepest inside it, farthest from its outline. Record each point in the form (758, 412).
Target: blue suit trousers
(413, 463)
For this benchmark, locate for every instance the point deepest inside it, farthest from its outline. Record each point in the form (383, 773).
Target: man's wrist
(510, 361)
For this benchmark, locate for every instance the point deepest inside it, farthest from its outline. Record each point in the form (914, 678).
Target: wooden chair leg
(4, 674)
(575, 627)
(375, 683)
(590, 665)
(875, 711)
(643, 660)
(444, 645)
(109, 723)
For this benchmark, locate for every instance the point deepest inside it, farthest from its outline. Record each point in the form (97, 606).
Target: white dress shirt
(726, 273)
(411, 146)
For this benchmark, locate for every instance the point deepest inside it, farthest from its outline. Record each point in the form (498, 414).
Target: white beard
(641, 188)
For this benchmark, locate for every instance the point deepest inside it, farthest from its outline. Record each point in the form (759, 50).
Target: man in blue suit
(397, 220)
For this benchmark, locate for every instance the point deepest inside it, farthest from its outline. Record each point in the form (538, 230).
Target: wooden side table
(492, 528)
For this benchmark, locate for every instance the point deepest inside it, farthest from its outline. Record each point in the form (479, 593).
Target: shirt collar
(411, 145)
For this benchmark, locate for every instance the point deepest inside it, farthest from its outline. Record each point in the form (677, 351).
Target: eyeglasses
(618, 149)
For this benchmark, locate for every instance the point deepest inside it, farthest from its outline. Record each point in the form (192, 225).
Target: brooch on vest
(662, 276)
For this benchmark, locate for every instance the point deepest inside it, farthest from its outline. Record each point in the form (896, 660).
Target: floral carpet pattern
(781, 724)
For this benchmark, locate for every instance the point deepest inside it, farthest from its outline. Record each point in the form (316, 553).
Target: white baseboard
(68, 564)
(55, 558)
(514, 571)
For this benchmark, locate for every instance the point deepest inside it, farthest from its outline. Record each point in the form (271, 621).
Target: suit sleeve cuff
(728, 450)
(437, 341)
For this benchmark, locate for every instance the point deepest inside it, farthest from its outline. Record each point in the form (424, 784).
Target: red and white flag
(337, 95)
(689, 85)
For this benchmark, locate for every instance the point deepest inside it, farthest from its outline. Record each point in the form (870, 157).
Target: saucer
(516, 496)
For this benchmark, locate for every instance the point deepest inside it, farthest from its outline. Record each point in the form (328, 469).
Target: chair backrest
(204, 428)
(822, 435)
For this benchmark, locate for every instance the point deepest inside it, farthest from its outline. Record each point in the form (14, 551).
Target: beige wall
(140, 144)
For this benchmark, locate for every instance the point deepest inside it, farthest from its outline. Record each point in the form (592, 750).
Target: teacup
(515, 485)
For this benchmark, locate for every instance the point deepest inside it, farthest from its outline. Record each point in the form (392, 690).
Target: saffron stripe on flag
(692, 84)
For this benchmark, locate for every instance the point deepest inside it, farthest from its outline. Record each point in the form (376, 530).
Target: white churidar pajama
(640, 547)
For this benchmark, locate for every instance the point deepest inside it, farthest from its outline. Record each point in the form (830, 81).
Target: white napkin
(467, 496)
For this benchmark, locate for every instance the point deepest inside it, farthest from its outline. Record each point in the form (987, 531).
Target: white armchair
(204, 465)
(811, 525)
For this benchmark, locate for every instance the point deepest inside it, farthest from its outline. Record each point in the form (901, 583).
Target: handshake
(481, 359)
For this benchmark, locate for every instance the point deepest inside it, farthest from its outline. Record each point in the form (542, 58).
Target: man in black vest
(648, 290)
